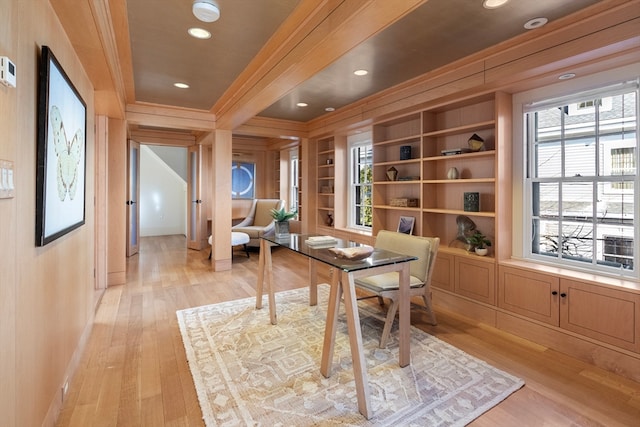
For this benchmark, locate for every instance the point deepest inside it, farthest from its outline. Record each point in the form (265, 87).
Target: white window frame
(294, 165)
(359, 140)
(522, 219)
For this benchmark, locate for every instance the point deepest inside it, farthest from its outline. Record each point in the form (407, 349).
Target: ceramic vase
(392, 173)
(282, 229)
(453, 173)
(482, 251)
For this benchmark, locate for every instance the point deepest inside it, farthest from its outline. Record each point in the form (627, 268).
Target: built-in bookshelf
(325, 204)
(276, 174)
(423, 166)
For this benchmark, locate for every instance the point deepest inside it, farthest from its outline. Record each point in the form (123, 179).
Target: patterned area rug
(248, 372)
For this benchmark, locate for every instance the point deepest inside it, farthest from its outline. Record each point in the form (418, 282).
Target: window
(582, 157)
(293, 179)
(242, 180)
(361, 180)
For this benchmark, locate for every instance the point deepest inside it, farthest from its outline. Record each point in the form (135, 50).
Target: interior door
(133, 195)
(194, 202)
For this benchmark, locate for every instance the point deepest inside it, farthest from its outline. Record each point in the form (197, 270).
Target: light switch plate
(7, 184)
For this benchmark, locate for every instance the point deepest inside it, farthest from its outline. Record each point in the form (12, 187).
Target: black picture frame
(61, 152)
(406, 224)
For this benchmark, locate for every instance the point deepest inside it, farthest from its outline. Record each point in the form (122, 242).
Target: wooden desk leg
(272, 297)
(355, 343)
(330, 328)
(404, 316)
(264, 263)
(313, 282)
(260, 282)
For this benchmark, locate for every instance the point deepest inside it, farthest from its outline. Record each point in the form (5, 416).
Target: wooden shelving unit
(424, 177)
(396, 145)
(325, 170)
(276, 169)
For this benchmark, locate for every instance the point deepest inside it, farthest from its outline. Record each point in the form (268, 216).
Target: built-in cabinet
(599, 312)
(424, 165)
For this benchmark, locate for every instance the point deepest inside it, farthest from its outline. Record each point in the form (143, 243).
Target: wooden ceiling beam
(313, 37)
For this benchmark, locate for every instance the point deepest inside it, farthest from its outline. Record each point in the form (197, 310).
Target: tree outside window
(361, 179)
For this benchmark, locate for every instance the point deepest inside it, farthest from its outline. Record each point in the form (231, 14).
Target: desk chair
(386, 285)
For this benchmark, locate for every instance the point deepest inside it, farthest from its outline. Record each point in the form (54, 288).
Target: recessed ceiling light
(181, 85)
(535, 23)
(206, 10)
(566, 76)
(494, 4)
(329, 109)
(302, 104)
(360, 72)
(199, 33)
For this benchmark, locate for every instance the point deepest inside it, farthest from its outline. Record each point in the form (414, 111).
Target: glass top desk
(342, 284)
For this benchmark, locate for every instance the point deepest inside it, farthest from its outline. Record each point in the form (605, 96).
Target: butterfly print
(69, 153)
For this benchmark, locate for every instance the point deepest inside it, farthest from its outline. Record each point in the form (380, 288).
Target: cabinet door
(475, 279)
(530, 294)
(443, 272)
(605, 314)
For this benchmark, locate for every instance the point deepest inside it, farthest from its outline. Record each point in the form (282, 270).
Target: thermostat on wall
(7, 72)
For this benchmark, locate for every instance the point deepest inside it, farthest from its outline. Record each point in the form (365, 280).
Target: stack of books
(321, 241)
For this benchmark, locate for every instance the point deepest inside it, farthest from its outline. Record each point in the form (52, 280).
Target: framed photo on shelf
(61, 149)
(406, 224)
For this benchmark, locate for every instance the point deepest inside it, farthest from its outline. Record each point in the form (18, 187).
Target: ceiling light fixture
(566, 76)
(206, 10)
(535, 23)
(493, 4)
(329, 109)
(199, 33)
(302, 104)
(360, 72)
(181, 85)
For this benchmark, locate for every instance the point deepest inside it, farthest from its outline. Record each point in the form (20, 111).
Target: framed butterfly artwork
(61, 150)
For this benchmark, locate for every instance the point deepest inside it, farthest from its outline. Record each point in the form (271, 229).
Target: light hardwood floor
(134, 371)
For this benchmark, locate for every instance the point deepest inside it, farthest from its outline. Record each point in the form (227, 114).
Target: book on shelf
(454, 151)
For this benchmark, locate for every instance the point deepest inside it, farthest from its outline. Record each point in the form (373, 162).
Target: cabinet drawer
(529, 294)
(605, 314)
(475, 279)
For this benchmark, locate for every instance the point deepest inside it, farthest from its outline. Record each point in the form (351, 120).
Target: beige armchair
(259, 220)
(386, 285)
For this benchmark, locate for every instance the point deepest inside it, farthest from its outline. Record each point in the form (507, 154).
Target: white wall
(163, 196)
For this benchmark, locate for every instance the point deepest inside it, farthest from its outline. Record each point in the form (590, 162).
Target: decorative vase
(282, 229)
(476, 143)
(453, 173)
(330, 219)
(392, 173)
(482, 251)
(405, 152)
(471, 202)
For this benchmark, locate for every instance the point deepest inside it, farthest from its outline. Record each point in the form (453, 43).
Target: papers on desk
(321, 241)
